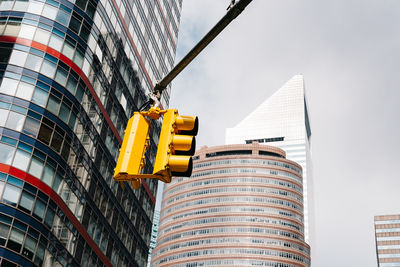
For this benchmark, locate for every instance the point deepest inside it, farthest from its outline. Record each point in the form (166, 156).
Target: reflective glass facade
(387, 239)
(71, 74)
(242, 206)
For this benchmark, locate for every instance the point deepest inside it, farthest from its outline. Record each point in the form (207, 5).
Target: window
(68, 50)
(31, 127)
(24, 91)
(48, 68)
(61, 76)
(49, 218)
(40, 97)
(63, 17)
(36, 167)
(42, 36)
(26, 202)
(45, 133)
(48, 175)
(27, 31)
(15, 240)
(39, 209)
(33, 62)
(49, 12)
(4, 229)
(35, 7)
(21, 159)
(29, 247)
(8, 86)
(18, 58)
(6, 154)
(64, 112)
(15, 121)
(11, 194)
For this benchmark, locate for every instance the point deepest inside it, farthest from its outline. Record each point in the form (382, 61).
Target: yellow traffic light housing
(176, 146)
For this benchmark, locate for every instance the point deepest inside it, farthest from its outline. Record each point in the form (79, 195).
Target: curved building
(242, 206)
(72, 72)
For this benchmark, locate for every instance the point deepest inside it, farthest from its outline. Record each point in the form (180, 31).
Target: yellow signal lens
(184, 144)
(180, 165)
(188, 125)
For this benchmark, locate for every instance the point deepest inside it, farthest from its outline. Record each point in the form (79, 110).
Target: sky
(348, 52)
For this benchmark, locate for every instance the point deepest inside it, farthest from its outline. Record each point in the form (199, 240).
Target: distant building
(387, 238)
(242, 206)
(283, 121)
(154, 234)
(72, 72)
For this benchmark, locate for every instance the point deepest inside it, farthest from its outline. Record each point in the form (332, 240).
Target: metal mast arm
(232, 13)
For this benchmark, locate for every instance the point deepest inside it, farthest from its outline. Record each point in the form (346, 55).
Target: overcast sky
(348, 52)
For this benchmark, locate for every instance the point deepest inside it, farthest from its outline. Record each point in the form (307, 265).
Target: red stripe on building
(60, 203)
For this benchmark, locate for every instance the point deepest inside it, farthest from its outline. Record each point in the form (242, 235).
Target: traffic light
(131, 156)
(176, 146)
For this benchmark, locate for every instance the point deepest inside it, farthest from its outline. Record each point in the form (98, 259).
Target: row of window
(235, 262)
(388, 230)
(289, 175)
(397, 246)
(265, 220)
(235, 251)
(167, 218)
(388, 238)
(243, 241)
(234, 180)
(387, 222)
(232, 189)
(231, 200)
(247, 161)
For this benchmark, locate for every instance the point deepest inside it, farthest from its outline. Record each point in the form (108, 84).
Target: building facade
(154, 234)
(72, 73)
(387, 239)
(283, 121)
(242, 206)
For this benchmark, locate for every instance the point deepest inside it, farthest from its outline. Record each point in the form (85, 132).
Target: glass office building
(242, 206)
(387, 239)
(72, 72)
(282, 120)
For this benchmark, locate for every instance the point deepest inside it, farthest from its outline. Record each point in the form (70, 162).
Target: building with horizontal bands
(387, 239)
(242, 206)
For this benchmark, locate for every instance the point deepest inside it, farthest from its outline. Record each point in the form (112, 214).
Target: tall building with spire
(283, 121)
(72, 72)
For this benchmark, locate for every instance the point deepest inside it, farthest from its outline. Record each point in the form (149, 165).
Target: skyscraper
(283, 121)
(72, 73)
(242, 206)
(387, 239)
